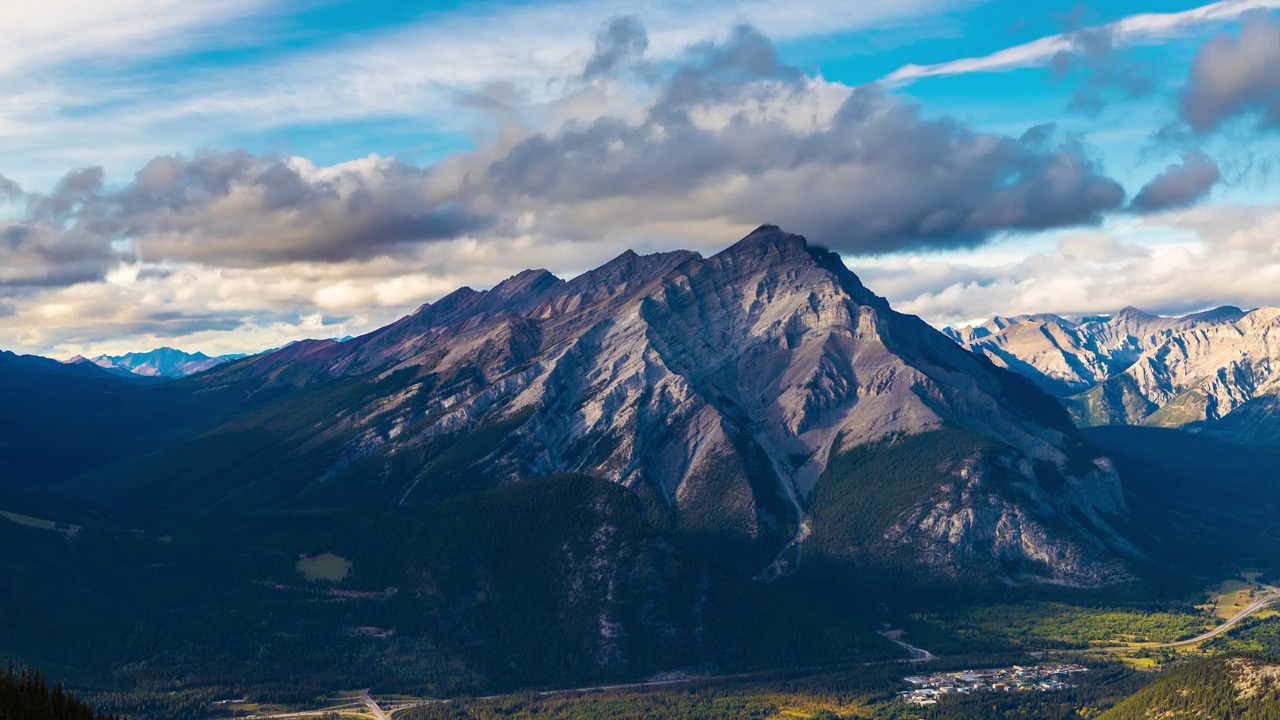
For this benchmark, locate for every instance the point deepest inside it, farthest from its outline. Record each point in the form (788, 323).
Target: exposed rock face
(1137, 368)
(718, 388)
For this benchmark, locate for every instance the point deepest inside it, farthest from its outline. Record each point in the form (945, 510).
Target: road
(917, 655)
(1269, 598)
(1266, 600)
(372, 705)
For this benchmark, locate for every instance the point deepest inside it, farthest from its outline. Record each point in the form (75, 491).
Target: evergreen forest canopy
(25, 695)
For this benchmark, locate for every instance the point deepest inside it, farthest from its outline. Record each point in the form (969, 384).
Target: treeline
(24, 695)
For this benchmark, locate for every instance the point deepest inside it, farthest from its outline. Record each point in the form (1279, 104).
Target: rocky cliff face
(1138, 368)
(717, 388)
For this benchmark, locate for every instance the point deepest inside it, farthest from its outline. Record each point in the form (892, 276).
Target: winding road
(1270, 597)
(1267, 599)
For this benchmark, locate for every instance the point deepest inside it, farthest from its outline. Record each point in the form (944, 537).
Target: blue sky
(355, 97)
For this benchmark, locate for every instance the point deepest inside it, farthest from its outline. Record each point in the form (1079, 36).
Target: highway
(1267, 599)
(1262, 602)
(372, 705)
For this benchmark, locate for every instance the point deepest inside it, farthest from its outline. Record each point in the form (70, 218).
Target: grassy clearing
(326, 567)
(1057, 625)
(1228, 599)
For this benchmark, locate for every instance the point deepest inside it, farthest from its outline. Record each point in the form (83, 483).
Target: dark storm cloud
(622, 42)
(878, 178)
(1236, 75)
(1180, 185)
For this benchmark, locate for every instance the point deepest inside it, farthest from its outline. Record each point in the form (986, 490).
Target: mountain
(160, 363)
(1214, 372)
(53, 419)
(672, 462)
(59, 421)
(759, 402)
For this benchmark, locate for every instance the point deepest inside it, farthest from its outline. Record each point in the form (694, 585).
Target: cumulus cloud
(1235, 75)
(226, 209)
(727, 137)
(1180, 185)
(731, 136)
(875, 176)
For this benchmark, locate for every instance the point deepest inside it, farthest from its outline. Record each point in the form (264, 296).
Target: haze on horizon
(233, 176)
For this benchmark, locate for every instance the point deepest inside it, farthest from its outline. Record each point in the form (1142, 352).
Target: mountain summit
(737, 395)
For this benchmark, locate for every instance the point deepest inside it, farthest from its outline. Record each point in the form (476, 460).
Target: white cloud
(41, 33)
(1210, 256)
(1142, 29)
(415, 73)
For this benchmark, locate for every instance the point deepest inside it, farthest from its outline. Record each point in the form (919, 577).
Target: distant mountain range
(159, 363)
(1217, 372)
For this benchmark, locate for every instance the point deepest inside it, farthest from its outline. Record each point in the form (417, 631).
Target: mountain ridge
(1197, 371)
(717, 389)
(163, 362)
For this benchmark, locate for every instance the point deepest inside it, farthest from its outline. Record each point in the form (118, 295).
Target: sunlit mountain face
(502, 358)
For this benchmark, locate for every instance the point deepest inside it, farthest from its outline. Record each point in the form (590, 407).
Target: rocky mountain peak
(766, 241)
(719, 390)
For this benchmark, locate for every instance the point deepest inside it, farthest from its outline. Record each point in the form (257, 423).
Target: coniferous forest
(24, 695)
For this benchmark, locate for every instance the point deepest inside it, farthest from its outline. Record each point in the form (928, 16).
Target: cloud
(622, 42)
(10, 191)
(1095, 59)
(227, 209)
(51, 245)
(98, 95)
(1236, 75)
(36, 37)
(1210, 256)
(1141, 29)
(1179, 186)
(731, 137)
(875, 176)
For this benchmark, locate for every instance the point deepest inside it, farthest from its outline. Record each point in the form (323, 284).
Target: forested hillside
(1238, 688)
(24, 695)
